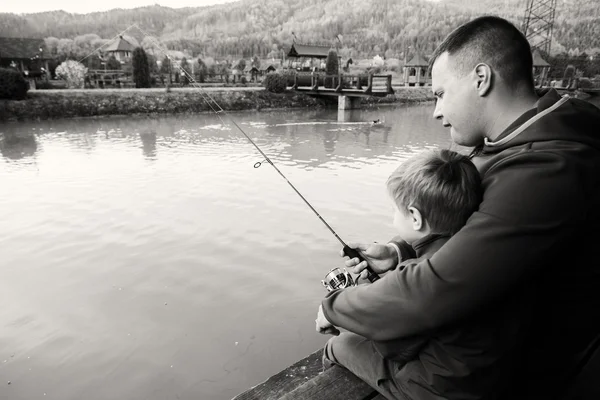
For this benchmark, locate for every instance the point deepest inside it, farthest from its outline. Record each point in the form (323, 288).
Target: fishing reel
(338, 279)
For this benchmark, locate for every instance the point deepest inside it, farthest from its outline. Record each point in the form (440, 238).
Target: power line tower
(538, 23)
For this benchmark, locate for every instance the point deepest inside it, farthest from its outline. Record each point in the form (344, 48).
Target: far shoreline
(84, 103)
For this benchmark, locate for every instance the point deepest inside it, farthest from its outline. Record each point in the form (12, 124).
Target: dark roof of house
(305, 50)
(22, 48)
(119, 44)
(250, 68)
(417, 61)
(267, 67)
(538, 61)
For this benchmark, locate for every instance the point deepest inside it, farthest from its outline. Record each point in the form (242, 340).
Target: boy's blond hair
(443, 185)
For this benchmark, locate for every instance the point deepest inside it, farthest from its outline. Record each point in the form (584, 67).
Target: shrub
(331, 68)
(243, 80)
(113, 63)
(275, 82)
(289, 75)
(13, 85)
(73, 72)
(363, 80)
(141, 71)
(585, 83)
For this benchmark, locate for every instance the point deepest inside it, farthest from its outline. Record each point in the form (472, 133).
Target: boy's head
(435, 191)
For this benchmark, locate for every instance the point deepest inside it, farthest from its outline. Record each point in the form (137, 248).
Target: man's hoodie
(528, 254)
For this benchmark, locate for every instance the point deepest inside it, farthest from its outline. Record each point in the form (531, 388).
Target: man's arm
(532, 203)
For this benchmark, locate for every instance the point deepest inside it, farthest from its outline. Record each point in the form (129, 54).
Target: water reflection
(293, 135)
(148, 138)
(15, 146)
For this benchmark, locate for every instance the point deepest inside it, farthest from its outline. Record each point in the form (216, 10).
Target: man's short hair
(491, 40)
(443, 185)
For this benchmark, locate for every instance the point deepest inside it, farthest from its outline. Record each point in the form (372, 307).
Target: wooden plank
(336, 383)
(287, 380)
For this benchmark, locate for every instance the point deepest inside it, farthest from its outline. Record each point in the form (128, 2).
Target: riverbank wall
(71, 103)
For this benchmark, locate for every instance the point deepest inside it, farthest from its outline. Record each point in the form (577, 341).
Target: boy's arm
(532, 204)
(403, 249)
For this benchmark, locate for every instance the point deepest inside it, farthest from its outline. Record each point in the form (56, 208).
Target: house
(415, 71)
(253, 72)
(540, 68)
(120, 48)
(29, 56)
(24, 54)
(304, 57)
(265, 69)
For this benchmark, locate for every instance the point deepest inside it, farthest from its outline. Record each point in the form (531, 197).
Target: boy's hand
(323, 326)
(381, 257)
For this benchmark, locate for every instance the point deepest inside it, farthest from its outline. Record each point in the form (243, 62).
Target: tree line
(267, 28)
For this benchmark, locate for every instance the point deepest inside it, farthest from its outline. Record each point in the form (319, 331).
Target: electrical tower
(538, 23)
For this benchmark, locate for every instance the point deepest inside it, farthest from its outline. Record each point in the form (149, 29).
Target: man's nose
(437, 113)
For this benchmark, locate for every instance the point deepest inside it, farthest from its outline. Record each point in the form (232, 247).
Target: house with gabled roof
(24, 54)
(303, 56)
(415, 71)
(120, 48)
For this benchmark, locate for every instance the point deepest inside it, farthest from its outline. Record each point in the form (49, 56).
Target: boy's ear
(416, 218)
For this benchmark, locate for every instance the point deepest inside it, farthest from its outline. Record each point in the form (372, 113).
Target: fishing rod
(335, 278)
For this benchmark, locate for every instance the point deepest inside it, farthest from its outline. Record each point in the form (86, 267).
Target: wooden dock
(349, 89)
(344, 85)
(306, 380)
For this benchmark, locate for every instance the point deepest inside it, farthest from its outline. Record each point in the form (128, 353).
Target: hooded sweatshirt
(527, 255)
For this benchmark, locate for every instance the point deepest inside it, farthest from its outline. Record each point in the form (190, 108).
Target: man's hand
(381, 257)
(323, 326)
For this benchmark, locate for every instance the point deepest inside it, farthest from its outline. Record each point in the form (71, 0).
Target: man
(527, 255)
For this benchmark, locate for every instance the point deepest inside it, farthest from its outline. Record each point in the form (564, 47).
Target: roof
(119, 44)
(22, 48)
(538, 61)
(305, 50)
(250, 68)
(266, 67)
(417, 61)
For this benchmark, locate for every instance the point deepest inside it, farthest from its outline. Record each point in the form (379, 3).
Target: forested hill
(264, 27)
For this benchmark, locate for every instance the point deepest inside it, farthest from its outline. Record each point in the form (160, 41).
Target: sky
(84, 7)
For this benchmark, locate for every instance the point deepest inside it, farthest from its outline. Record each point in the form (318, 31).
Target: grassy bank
(51, 104)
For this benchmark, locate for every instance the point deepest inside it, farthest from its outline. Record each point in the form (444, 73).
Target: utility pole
(538, 23)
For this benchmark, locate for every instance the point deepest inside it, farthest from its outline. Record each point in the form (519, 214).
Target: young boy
(434, 193)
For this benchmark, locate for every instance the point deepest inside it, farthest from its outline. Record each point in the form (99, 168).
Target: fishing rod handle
(353, 253)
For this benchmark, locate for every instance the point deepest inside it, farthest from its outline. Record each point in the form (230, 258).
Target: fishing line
(218, 110)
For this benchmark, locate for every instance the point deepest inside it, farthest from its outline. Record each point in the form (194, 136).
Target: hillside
(264, 27)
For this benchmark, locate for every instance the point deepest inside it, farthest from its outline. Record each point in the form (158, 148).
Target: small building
(30, 56)
(265, 69)
(120, 48)
(415, 71)
(252, 72)
(540, 68)
(304, 57)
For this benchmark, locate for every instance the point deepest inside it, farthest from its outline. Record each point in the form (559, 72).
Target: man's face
(457, 104)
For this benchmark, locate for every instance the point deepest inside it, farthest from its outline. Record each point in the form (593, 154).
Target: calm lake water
(145, 258)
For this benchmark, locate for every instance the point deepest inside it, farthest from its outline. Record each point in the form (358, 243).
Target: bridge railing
(366, 83)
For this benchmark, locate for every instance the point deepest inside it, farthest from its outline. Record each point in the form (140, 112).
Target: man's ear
(483, 79)
(416, 218)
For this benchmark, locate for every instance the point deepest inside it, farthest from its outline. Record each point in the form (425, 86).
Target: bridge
(348, 88)
(592, 87)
